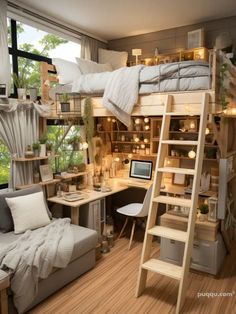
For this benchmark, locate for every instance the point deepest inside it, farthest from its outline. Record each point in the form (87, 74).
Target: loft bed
(152, 103)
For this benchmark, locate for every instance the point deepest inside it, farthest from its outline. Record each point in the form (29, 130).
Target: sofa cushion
(6, 221)
(84, 240)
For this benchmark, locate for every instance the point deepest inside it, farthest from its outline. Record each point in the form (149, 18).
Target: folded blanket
(33, 256)
(121, 92)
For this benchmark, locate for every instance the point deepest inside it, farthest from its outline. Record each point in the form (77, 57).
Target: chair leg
(123, 228)
(132, 233)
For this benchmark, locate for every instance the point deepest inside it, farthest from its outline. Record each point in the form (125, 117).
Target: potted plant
(42, 140)
(204, 209)
(49, 147)
(36, 148)
(75, 141)
(20, 84)
(65, 102)
(29, 153)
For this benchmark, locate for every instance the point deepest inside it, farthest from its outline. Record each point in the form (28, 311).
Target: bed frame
(149, 104)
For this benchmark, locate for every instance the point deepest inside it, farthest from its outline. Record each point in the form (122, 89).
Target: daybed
(82, 259)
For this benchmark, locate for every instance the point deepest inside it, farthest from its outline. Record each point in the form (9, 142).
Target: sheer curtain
(5, 71)
(89, 48)
(19, 124)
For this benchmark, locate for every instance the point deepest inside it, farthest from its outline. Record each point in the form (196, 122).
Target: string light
(146, 120)
(85, 145)
(145, 140)
(191, 154)
(136, 139)
(137, 121)
(207, 131)
(109, 119)
(117, 159)
(146, 127)
(130, 156)
(142, 146)
(113, 120)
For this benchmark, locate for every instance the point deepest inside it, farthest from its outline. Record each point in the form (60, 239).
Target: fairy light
(85, 145)
(130, 156)
(146, 127)
(207, 131)
(108, 119)
(191, 154)
(117, 159)
(145, 140)
(142, 146)
(136, 139)
(113, 120)
(146, 120)
(137, 121)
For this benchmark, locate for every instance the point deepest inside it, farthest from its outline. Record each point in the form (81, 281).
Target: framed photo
(196, 38)
(46, 173)
(178, 179)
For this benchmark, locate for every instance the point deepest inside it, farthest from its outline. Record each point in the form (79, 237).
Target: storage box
(203, 230)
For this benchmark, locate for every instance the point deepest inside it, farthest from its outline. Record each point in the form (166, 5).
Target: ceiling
(112, 19)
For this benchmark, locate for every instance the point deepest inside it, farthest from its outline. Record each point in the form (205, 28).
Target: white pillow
(28, 212)
(87, 66)
(67, 71)
(117, 59)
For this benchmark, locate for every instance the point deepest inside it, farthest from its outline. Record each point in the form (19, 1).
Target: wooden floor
(110, 288)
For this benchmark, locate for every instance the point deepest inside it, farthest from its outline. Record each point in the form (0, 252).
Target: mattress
(177, 76)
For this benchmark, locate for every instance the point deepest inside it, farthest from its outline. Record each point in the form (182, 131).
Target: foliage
(5, 160)
(203, 208)
(19, 81)
(88, 119)
(64, 98)
(43, 138)
(223, 90)
(36, 146)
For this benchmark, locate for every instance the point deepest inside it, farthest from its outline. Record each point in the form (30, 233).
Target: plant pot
(76, 146)
(203, 217)
(65, 106)
(21, 92)
(42, 152)
(33, 92)
(36, 152)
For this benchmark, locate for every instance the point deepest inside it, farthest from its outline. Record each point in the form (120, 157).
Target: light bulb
(137, 121)
(145, 140)
(233, 110)
(207, 131)
(109, 119)
(168, 162)
(85, 145)
(136, 139)
(130, 156)
(146, 120)
(191, 154)
(142, 146)
(146, 127)
(192, 125)
(113, 120)
(117, 159)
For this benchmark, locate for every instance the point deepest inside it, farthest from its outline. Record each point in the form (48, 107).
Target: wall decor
(178, 179)
(46, 173)
(196, 38)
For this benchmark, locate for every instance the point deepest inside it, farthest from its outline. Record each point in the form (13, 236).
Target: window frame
(15, 53)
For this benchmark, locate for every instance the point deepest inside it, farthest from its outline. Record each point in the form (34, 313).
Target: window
(29, 45)
(5, 160)
(68, 155)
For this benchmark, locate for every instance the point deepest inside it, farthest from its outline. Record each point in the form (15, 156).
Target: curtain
(19, 124)
(89, 48)
(5, 72)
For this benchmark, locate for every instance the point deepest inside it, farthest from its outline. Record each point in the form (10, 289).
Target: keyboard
(136, 182)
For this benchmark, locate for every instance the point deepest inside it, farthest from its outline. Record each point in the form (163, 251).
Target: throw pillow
(87, 66)
(6, 221)
(117, 59)
(28, 212)
(67, 71)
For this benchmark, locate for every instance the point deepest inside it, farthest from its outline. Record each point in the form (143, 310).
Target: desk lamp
(136, 53)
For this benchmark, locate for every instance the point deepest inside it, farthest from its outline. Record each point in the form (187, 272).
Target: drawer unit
(203, 230)
(207, 256)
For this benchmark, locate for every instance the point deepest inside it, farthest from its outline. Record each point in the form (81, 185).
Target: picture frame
(46, 173)
(178, 179)
(196, 38)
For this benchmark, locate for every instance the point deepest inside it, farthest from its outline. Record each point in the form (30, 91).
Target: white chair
(135, 210)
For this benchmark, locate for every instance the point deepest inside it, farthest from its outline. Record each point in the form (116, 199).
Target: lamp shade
(136, 52)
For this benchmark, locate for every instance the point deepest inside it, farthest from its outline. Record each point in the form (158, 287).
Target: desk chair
(135, 210)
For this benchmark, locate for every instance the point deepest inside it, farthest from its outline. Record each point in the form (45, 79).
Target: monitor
(141, 169)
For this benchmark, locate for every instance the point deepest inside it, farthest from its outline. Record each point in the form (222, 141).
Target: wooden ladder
(179, 273)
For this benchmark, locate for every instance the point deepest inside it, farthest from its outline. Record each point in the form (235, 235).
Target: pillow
(68, 71)
(87, 66)
(28, 212)
(6, 221)
(117, 59)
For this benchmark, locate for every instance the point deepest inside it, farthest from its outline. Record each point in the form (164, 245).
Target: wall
(174, 39)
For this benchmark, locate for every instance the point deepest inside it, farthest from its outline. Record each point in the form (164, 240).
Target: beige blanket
(33, 256)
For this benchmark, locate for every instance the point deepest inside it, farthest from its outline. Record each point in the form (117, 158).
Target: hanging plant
(223, 91)
(89, 121)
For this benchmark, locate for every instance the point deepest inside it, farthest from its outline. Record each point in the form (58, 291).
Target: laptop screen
(141, 169)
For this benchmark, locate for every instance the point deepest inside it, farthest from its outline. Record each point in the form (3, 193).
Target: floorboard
(110, 288)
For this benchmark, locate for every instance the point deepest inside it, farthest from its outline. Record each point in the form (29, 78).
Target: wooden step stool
(4, 284)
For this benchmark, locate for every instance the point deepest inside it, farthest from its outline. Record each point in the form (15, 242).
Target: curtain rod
(50, 21)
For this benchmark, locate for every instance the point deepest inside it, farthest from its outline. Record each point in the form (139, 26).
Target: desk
(89, 196)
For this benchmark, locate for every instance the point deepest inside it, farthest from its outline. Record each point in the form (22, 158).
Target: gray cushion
(6, 221)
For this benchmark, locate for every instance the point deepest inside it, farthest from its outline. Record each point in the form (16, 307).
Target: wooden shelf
(71, 175)
(22, 187)
(231, 177)
(187, 158)
(130, 142)
(23, 159)
(124, 131)
(134, 154)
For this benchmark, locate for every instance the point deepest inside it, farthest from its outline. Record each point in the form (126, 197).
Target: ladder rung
(168, 233)
(177, 170)
(185, 113)
(173, 201)
(163, 268)
(178, 142)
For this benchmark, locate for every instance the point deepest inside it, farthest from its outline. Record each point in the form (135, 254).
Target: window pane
(12, 85)
(29, 70)
(5, 161)
(33, 40)
(68, 156)
(9, 32)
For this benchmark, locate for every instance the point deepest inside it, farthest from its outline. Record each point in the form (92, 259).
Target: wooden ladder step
(177, 170)
(173, 201)
(168, 233)
(183, 113)
(180, 142)
(163, 268)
